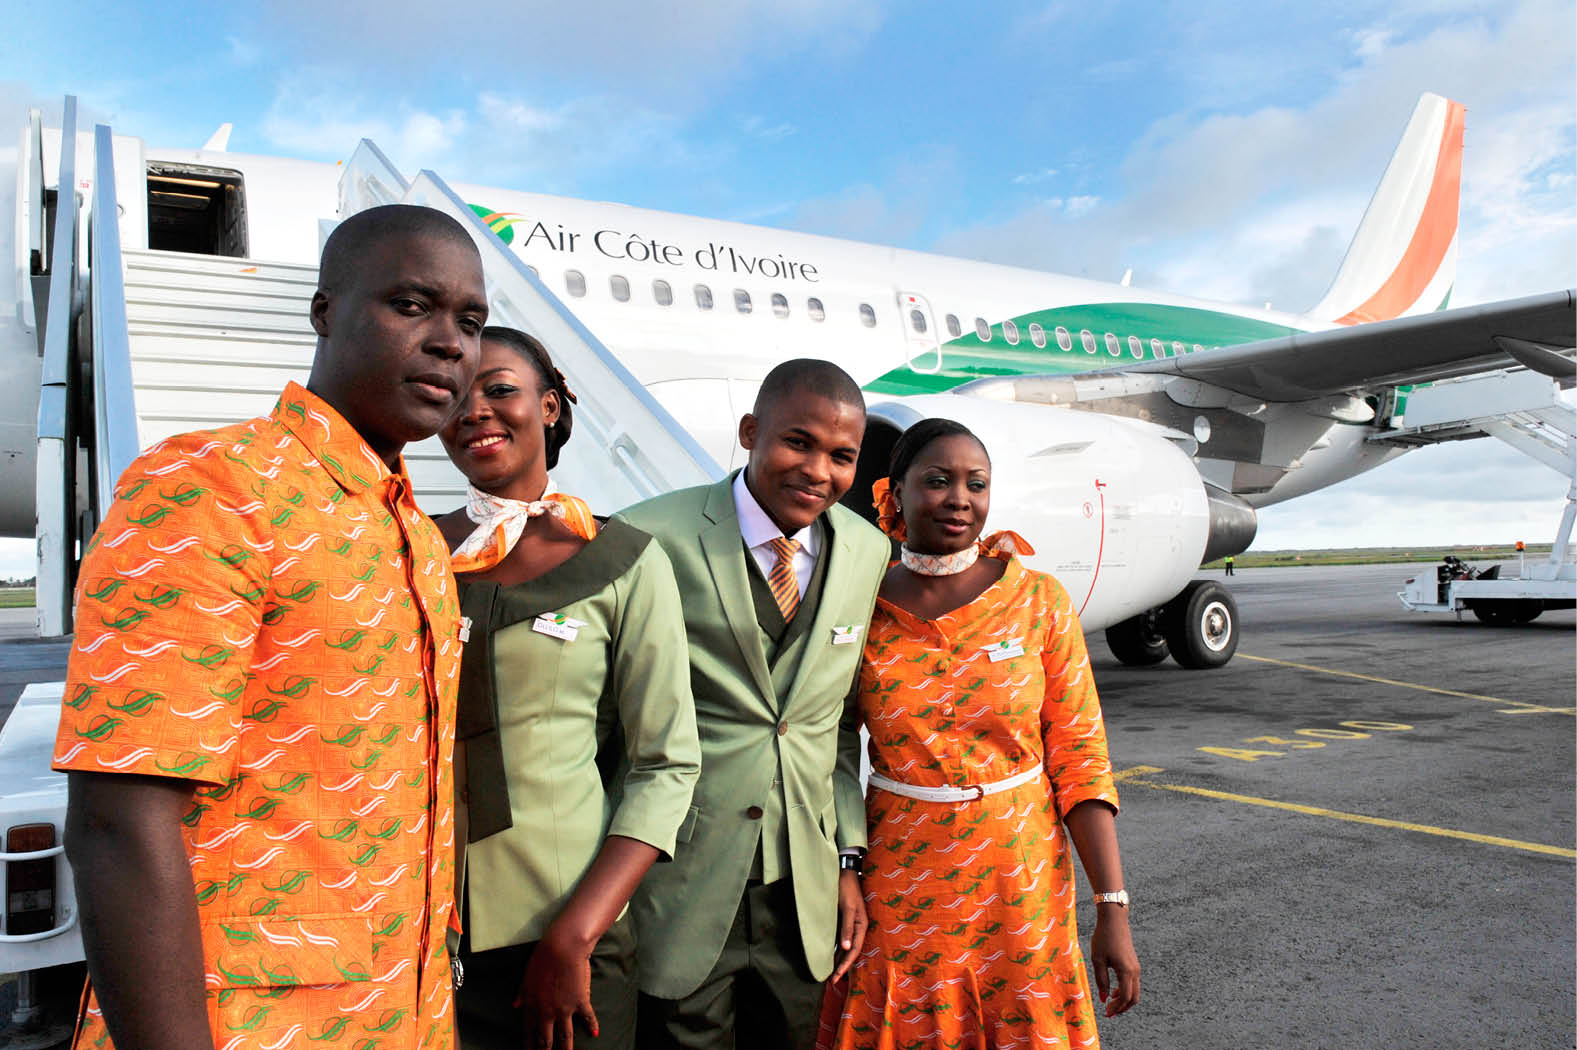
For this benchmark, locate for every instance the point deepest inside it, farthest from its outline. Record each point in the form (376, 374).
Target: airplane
(1134, 434)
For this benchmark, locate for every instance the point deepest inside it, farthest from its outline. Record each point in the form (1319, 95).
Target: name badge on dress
(557, 625)
(847, 635)
(1004, 650)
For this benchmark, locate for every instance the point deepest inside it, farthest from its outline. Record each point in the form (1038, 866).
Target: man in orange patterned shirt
(259, 710)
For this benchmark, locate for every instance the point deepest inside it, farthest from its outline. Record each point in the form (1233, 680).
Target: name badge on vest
(557, 625)
(846, 635)
(1004, 650)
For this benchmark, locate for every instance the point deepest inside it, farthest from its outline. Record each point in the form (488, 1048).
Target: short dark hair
(548, 377)
(808, 375)
(351, 238)
(914, 441)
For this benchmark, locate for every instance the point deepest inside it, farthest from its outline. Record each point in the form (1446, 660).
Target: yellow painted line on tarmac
(1133, 774)
(1517, 707)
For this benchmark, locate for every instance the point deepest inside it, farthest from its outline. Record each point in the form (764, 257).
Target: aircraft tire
(1201, 625)
(1138, 641)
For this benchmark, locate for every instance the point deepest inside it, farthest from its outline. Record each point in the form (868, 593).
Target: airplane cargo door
(922, 347)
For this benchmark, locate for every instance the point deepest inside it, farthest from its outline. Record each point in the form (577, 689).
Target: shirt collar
(331, 440)
(757, 528)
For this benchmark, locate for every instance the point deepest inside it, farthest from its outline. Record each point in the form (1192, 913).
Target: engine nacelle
(1114, 509)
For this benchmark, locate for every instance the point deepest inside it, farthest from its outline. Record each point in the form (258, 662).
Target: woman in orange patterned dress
(988, 755)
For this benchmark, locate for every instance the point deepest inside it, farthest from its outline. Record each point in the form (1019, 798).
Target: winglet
(219, 140)
(1402, 261)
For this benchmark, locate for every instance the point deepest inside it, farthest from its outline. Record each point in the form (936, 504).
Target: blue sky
(1224, 150)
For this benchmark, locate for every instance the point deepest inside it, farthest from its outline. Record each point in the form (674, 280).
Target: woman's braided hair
(549, 378)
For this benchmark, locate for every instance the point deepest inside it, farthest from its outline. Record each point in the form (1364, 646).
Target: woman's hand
(555, 990)
(1111, 947)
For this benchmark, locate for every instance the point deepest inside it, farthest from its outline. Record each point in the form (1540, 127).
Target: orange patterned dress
(973, 942)
(267, 614)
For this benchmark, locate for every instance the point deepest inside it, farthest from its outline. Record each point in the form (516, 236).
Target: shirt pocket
(245, 952)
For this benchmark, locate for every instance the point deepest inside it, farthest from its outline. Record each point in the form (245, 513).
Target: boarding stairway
(138, 345)
(1519, 407)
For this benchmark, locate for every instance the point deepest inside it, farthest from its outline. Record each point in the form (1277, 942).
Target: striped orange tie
(781, 580)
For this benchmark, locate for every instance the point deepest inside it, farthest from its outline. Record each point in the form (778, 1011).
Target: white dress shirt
(759, 532)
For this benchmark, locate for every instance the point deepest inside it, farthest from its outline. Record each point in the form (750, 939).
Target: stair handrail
(612, 399)
(55, 492)
(370, 178)
(114, 397)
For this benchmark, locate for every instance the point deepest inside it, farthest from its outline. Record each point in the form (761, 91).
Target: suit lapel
(839, 554)
(724, 549)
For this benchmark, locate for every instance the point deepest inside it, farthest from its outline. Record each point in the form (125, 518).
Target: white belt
(971, 793)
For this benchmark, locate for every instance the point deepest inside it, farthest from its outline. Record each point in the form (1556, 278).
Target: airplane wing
(1420, 349)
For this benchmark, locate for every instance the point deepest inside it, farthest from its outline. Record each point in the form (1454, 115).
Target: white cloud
(1029, 178)
(677, 52)
(1258, 205)
(316, 114)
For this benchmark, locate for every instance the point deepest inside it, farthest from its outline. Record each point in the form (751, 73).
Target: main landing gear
(1199, 628)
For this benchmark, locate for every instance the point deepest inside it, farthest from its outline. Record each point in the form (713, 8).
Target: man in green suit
(778, 583)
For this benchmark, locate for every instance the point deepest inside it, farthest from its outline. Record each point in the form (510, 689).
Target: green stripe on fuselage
(968, 357)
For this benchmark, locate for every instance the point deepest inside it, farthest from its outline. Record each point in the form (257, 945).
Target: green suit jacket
(753, 738)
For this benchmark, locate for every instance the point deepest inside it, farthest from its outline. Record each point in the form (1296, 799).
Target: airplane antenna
(220, 139)
(1127, 277)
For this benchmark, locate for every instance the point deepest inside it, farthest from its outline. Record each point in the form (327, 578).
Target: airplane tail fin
(1403, 259)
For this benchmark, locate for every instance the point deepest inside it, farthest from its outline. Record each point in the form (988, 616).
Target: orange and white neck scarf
(500, 521)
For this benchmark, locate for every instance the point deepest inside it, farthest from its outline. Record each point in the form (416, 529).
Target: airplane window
(575, 283)
(982, 330)
(954, 329)
(742, 301)
(1037, 335)
(1157, 348)
(1010, 332)
(779, 304)
(867, 315)
(917, 319)
(1136, 347)
(1197, 348)
(1113, 347)
(815, 309)
(620, 286)
(662, 293)
(1178, 348)
(1088, 339)
(1064, 340)
(703, 297)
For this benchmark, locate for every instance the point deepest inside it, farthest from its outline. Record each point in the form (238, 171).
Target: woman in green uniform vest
(576, 752)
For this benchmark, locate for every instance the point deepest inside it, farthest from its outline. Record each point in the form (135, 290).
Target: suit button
(754, 812)
(782, 728)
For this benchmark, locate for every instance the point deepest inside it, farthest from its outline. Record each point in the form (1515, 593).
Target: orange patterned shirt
(265, 612)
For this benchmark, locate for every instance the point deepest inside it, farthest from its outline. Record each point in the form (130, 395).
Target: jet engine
(1114, 507)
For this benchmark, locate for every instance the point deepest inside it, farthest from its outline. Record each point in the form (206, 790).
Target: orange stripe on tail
(1437, 227)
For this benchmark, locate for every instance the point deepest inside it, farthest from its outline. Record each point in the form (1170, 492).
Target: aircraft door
(922, 344)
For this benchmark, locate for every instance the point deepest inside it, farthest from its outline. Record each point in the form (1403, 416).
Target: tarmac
(1359, 833)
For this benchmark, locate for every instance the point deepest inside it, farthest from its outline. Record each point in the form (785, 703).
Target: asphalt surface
(1266, 927)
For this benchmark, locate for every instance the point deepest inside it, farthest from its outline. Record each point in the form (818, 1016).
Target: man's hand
(851, 922)
(556, 988)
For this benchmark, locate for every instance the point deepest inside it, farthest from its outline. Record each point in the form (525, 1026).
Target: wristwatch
(854, 862)
(1119, 897)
